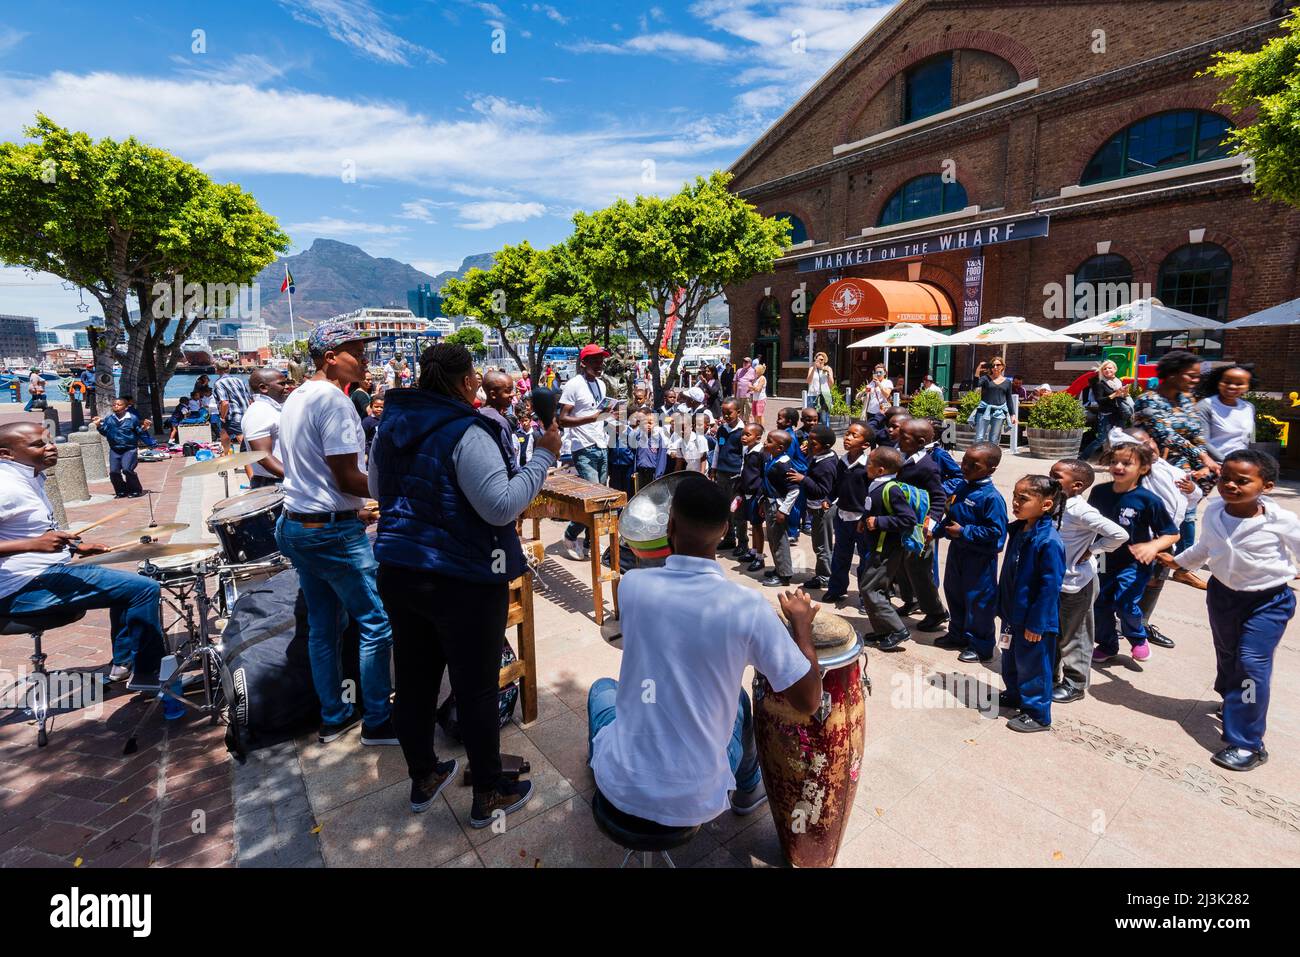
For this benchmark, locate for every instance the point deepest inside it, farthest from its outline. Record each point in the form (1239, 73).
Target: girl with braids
(447, 549)
(1029, 592)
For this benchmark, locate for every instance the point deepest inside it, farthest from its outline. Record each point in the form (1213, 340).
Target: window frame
(1125, 138)
(915, 69)
(1205, 342)
(1092, 345)
(899, 194)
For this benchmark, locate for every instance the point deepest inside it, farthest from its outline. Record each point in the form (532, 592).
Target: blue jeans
(121, 470)
(132, 602)
(1120, 594)
(592, 464)
(742, 755)
(990, 420)
(336, 572)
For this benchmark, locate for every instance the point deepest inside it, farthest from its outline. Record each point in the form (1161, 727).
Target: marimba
(520, 616)
(596, 506)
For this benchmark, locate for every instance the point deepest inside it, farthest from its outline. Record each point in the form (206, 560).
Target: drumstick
(107, 518)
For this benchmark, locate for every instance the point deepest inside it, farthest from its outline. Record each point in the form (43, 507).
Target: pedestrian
(1032, 571)
(877, 397)
(1085, 533)
(818, 488)
(125, 434)
(758, 392)
(743, 382)
(751, 495)
(820, 377)
(975, 525)
(889, 518)
(850, 496)
(1227, 419)
(322, 533)
(650, 444)
(728, 380)
(233, 398)
(1107, 401)
(1251, 545)
(581, 405)
(1168, 414)
(36, 398)
(994, 411)
(779, 497)
(920, 470)
(262, 425)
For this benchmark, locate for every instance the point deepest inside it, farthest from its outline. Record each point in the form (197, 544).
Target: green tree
(653, 258)
(1267, 81)
(469, 337)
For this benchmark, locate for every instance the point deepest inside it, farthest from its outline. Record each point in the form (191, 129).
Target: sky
(425, 131)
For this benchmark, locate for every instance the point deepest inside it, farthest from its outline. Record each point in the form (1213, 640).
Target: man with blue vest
(449, 493)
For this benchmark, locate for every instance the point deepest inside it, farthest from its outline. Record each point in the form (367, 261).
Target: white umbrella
(1142, 315)
(903, 335)
(1006, 330)
(1287, 314)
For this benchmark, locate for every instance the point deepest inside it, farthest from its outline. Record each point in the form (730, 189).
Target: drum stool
(637, 834)
(38, 681)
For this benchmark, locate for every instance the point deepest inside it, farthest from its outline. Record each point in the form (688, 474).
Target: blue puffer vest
(425, 520)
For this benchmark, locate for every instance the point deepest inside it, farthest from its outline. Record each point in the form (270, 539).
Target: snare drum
(246, 526)
(176, 569)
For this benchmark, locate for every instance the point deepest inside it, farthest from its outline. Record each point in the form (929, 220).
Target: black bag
(507, 697)
(190, 449)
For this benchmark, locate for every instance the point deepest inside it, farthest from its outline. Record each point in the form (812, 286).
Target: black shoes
(426, 791)
(1010, 702)
(509, 796)
(726, 543)
(827, 599)
(949, 640)
(910, 608)
(1026, 725)
(1240, 759)
(932, 622)
(1064, 694)
(815, 582)
(1158, 638)
(969, 654)
(776, 581)
(332, 732)
(755, 566)
(380, 734)
(895, 641)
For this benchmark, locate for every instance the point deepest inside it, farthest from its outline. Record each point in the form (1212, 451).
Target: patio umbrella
(1142, 315)
(1007, 330)
(1286, 314)
(903, 335)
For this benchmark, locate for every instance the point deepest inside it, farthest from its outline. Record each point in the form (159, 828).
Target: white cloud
(358, 25)
(550, 12)
(421, 209)
(480, 192)
(331, 226)
(673, 45)
(503, 110)
(10, 38)
(435, 266)
(490, 214)
(243, 68)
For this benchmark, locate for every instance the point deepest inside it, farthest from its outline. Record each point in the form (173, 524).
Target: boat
(196, 352)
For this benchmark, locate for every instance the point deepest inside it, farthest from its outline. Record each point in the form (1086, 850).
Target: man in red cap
(581, 403)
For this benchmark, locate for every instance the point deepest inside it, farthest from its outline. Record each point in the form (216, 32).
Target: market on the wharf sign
(973, 237)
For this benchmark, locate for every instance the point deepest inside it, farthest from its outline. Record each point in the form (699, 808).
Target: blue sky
(420, 130)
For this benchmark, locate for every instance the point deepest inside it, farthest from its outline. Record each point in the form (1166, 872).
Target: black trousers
(263, 481)
(730, 485)
(121, 472)
(440, 622)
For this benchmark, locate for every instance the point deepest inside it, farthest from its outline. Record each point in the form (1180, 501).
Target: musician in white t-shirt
(581, 405)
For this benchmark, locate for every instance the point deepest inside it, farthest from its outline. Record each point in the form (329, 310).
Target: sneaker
(426, 791)
(1141, 651)
(573, 548)
(1101, 655)
(332, 732)
(747, 802)
(118, 673)
(932, 622)
(776, 581)
(1026, 725)
(380, 734)
(509, 796)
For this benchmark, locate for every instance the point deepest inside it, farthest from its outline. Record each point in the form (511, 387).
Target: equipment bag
(449, 721)
(919, 500)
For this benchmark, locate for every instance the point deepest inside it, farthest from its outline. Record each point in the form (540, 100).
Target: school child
(693, 445)
(975, 524)
(1251, 546)
(526, 431)
(890, 429)
(1032, 571)
(889, 518)
(751, 492)
(1139, 512)
(779, 497)
(808, 418)
(850, 505)
(1085, 532)
(125, 434)
(918, 584)
(651, 447)
(818, 487)
(787, 419)
(729, 456)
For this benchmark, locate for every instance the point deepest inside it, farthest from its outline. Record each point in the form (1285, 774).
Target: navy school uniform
(818, 488)
(1123, 579)
(751, 483)
(887, 503)
(850, 505)
(799, 463)
(920, 578)
(1029, 597)
(970, 578)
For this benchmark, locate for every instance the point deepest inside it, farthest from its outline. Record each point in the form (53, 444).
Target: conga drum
(811, 763)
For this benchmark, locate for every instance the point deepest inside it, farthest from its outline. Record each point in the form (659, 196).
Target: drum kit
(244, 525)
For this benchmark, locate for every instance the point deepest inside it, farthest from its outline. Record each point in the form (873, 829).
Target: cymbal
(149, 531)
(223, 464)
(137, 553)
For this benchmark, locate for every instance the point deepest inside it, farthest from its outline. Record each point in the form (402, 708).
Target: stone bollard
(70, 473)
(94, 453)
(56, 499)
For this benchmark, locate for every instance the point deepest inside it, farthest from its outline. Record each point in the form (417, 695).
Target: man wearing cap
(581, 403)
(322, 448)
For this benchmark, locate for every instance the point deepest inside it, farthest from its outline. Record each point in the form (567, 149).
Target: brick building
(1082, 126)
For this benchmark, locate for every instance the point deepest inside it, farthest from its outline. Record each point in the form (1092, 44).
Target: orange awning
(851, 303)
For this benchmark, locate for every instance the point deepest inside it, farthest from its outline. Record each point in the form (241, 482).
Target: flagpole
(293, 338)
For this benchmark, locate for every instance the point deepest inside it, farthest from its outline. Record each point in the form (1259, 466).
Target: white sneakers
(574, 549)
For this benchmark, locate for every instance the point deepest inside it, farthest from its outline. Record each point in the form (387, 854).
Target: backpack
(449, 720)
(919, 500)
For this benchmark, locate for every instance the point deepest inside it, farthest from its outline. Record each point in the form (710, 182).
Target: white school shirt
(688, 635)
(261, 420)
(878, 483)
(1085, 529)
(1163, 480)
(578, 392)
(318, 420)
(1251, 554)
(25, 512)
(694, 448)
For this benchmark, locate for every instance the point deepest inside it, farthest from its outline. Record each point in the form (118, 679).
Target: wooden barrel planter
(965, 437)
(839, 424)
(1054, 444)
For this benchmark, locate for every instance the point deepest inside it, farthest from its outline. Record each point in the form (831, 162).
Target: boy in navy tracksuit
(751, 492)
(921, 471)
(125, 433)
(1032, 572)
(889, 518)
(818, 486)
(780, 496)
(976, 526)
(730, 456)
(850, 505)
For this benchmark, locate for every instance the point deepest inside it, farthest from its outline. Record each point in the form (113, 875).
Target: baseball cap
(695, 393)
(333, 334)
(592, 350)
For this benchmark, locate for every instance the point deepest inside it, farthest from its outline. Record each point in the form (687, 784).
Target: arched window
(1195, 278)
(1101, 283)
(798, 232)
(921, 197)
(927, 88)
(1162, 141)
(769, 318)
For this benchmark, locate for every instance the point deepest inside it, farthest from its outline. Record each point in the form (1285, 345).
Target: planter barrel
(965, 437)
(839, 424)
(1054, 444)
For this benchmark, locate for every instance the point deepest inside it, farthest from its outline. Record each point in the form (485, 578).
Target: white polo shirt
(318, 420)
(260, 421)
(585, 396)
(25, 512)
(688, 635)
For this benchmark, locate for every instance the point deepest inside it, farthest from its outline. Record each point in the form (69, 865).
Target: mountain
(477, 261)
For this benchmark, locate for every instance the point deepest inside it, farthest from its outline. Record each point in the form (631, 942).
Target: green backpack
(919, 499)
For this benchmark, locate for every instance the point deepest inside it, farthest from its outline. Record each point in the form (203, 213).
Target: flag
(288, 281)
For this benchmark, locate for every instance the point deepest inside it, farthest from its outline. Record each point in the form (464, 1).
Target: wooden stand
(596, 506)
(525, 665)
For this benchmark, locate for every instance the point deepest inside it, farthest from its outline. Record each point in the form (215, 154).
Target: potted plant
(839, 418)
(965, 432)
(928, 405)
(1268, 423)
(1054, 426)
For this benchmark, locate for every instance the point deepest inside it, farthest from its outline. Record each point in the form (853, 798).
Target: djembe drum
(811, 763)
